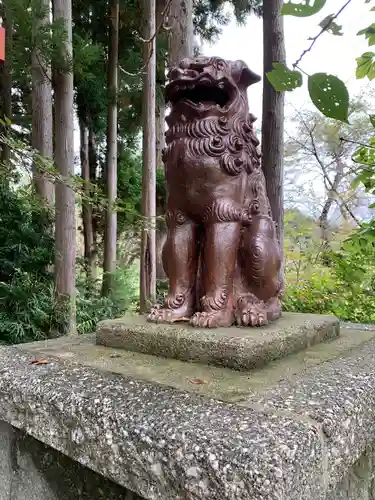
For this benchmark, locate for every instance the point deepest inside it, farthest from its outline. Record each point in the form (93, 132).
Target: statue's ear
(242, 75)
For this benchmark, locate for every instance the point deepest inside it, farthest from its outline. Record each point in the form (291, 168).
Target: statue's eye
(220, 65)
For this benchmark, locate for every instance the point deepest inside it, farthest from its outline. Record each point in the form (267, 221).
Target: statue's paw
(164, 315)
(214, 319)
(251, 314)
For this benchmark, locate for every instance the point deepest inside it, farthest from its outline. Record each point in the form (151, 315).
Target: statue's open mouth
(202, 92)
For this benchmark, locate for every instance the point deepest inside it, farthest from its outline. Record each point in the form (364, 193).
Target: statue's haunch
(221, 256)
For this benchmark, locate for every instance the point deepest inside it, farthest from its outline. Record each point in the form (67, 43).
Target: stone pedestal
(236, 348)
(300, 427)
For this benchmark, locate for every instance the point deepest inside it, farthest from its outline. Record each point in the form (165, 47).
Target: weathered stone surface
(359, 483)
(236, 348)
(340, 397)
(218, 382)
(5, 461)
(158, 442)
(34, 471)
(305, 438)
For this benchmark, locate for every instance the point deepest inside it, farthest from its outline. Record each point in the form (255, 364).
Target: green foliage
(330, 26)
(327, 92)
(369, 33)
(330, 95)
(92, 307)
(210, 16)
(26, 243)
(161, 290)
(301, 244)
(129, 187)
(28, 309)
(284, 79)
(346, 288)
(365, 66)
(364, 158)
(26, 254)
(337, 280)
(305, 9)
(31, 34)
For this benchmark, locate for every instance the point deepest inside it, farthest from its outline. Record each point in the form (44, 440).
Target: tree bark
(273, 116)
(6, 84)
(148, 244)
(180, 45)
(88, 234)
(110, 229)
(181, 36)
(161, 230)
(93, 164)
(160, 133)
(65, 229)
(42, 121)
(332, 195)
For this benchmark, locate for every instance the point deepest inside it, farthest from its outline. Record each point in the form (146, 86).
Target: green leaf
(365, 66)
(372, 120)
(330, 95)
(369, 33)
(304, 9)
(355, 183)
(333, 28)
(371, 72)
(284, 79)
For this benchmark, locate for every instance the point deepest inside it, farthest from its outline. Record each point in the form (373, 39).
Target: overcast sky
(330, 54)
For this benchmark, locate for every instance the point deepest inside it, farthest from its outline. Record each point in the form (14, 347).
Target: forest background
(73, 108)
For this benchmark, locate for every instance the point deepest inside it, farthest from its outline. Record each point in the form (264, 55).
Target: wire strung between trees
(161, 27)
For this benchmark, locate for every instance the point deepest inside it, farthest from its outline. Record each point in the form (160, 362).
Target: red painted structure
(2, 44)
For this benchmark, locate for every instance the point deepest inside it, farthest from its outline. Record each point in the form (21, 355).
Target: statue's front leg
(259, 259)
(180, 256)
(219, 260)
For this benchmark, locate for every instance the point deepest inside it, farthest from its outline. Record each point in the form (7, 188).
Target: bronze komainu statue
(221, 256)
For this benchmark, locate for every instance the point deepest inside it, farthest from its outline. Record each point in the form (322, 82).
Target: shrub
(28, 310)
(345, 289)
(92, 308)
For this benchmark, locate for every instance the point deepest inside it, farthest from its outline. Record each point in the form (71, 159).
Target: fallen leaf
(39, 362)
(197, 381)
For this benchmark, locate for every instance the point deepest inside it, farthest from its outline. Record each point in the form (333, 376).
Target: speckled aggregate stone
(236, 348)
(158, 442)
(340, 397)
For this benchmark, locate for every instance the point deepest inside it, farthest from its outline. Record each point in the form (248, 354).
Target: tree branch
(325, 28)
(328, 180)
(44, 71)
(159, 28)
(343, 139)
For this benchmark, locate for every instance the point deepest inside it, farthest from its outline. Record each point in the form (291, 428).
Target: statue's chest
(186, 149)
(200, 139)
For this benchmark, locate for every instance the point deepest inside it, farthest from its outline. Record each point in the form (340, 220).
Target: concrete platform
(301, 428)
(214, 382)
(236, 348)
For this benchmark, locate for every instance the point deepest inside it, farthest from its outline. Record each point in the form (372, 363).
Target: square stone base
(236, 348)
